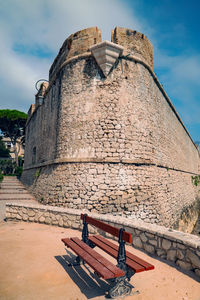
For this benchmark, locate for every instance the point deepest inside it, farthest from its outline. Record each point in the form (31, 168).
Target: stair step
(11, 189)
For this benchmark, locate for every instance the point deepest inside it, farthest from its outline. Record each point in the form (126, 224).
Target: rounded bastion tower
(103, 135)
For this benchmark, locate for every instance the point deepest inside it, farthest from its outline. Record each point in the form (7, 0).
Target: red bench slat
(101, 270)
(114, 252)
(117, 272)
(129, 255)
(90, 260)
(126, 236)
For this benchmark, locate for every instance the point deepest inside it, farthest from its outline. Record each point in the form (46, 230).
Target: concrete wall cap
(107, 43)
(160, 231)
(106, 53)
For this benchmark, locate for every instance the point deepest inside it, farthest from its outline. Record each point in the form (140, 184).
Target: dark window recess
(34, 155)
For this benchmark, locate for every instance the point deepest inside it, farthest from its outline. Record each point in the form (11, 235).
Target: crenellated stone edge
(180, 248)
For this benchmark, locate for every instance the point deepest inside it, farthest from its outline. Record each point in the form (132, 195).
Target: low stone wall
(181, 248)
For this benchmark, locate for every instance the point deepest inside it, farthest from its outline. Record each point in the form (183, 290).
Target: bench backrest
(126, 236)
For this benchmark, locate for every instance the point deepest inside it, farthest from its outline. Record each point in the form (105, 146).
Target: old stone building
(104, 136)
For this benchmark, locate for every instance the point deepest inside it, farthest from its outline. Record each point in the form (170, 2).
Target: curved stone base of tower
(148, 193)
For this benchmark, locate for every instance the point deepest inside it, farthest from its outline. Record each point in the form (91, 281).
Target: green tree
(4, 152)
(12, 125)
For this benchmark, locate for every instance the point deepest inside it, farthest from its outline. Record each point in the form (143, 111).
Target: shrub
(1, 177)
(19, 171)
(196, 180)
(7, 167)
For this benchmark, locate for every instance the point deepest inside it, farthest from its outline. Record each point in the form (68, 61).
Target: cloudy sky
(32, 32)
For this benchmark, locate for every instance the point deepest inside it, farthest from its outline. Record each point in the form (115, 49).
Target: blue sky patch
(33, 50)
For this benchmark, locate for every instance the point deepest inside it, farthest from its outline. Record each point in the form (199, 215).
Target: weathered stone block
(166, 244)
(42, 219)
(18, 217)
(193, 258)
(25, 217)
(153, 242)
(143, 237)
(150, 235)
(24, 210)
(75, 226)
(47, 220)
(181, 246)
(197, 272)
(171, 255)
(184, 265)
(180, 254)
(71, 217)
(161, 253)
(60, 223)
(20, 212)
(31, 213)
(8, 214)
(149, 248)
(137, 242)
(65, 224)
(54, 222)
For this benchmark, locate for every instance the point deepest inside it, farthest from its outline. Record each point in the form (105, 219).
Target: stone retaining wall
(181, 248)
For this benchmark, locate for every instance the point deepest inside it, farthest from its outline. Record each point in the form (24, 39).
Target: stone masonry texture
(135, 43)
(180, 248)
(111, 144)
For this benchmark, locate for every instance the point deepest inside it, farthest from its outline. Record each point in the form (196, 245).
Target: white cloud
(46, 24)
(18, 75)
(49, 22)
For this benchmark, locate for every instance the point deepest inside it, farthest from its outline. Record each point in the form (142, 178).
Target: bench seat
(128, 264)
(97, 262)
(135, 263)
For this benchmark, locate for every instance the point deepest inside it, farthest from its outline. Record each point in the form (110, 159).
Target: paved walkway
(13, 190)
(34, 265)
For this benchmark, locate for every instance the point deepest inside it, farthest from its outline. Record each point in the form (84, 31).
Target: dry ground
(33, 264)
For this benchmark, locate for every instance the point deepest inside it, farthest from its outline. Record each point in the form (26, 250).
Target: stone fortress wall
(111, 143)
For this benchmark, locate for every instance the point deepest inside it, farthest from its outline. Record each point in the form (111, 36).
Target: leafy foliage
(1, 177)
(7, 166)
(12, 125)
(196, 180)
(19, 171)
(4, 152)
(37, 173)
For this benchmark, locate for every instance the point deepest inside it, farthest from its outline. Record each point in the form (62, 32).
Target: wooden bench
(127, 263)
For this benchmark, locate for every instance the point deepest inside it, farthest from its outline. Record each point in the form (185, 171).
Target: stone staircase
(12, 190)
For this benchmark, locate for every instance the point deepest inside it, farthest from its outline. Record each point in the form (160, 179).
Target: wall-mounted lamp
(36, 84)
(40, 99)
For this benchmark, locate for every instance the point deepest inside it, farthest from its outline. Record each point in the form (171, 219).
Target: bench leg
(78, 261)
(121, 288)
(128, 271)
